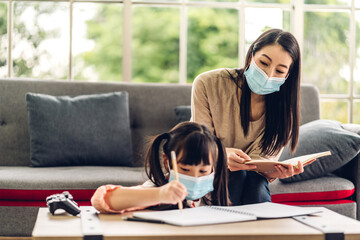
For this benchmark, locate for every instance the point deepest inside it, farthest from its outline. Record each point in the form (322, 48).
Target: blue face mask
(259, 82)
(196, 187)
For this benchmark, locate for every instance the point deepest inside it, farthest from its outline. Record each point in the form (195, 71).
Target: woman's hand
(172, 192)
(283, 172)
(236, 159)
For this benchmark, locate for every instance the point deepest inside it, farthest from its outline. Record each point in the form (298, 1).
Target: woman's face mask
(196, 187)
(259, 82)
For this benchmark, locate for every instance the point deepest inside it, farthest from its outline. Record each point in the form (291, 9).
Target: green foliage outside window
(212, 40)
(155, 44)
(335, 110)
(27, 51)
(326, 50)
(3, 38)
(105, 29)
(328, 2)
(356, 112)
(269, 1)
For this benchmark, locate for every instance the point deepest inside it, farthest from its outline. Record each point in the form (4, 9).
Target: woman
(254, 111)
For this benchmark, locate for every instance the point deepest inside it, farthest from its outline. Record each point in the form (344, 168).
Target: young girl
(202, 168)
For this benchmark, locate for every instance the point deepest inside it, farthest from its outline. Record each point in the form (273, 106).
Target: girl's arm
(119, 199)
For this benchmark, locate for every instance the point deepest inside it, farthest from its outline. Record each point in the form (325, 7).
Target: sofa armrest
(353, 167)
(310, 103)
(351, 171)
(356, 172)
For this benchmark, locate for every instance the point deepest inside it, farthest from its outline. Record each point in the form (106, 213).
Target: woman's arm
(120, 199)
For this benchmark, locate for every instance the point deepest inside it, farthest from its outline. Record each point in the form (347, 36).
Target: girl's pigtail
(153, 167)
(220, 195)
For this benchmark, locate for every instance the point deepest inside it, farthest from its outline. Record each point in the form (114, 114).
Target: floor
(15, 238)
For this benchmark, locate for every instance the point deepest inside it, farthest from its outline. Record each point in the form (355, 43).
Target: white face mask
(259, 82)
(196, 187)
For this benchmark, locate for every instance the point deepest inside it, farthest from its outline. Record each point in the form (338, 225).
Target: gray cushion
(182, 113)
(79, 130)
(352, 127)
(319, 192)
(319, 136)
(328, 183)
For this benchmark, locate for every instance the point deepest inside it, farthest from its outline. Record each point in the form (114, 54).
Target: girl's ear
(166, 162)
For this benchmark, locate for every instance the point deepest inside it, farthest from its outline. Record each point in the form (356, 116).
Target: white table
(114, 227)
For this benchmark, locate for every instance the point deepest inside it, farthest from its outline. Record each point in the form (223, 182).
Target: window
(334, 109)
(277, 18)
(357, 111)
(155, 44)
(172, 41)
(330, 33)
(97, 41)
(40, 40)
(356, 73)
(326, 51)
(327, 2)
(212, 40)
(3, 40)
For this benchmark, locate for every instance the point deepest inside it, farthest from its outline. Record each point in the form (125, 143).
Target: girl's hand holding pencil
(174, 163)
(172, 192)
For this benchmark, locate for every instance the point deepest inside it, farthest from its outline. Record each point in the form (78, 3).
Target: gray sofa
(151, 112)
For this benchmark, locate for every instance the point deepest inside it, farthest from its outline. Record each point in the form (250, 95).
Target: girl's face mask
(259, 82)
(196, 187)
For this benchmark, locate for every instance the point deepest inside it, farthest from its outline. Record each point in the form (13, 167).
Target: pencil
(174, 163)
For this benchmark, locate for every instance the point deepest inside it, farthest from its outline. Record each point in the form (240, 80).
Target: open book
(268, 165)
(218, 214)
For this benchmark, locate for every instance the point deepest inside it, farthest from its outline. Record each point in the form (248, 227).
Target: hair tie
(165, 136)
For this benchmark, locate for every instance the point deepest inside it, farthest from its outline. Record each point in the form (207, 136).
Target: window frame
(296, 7)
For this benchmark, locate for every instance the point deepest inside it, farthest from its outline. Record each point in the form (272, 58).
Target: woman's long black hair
(283, 107)
(194, 143)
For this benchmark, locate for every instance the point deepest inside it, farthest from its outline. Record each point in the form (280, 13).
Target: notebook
(206, 215)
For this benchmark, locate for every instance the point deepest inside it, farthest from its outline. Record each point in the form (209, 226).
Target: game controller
(62, 201)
